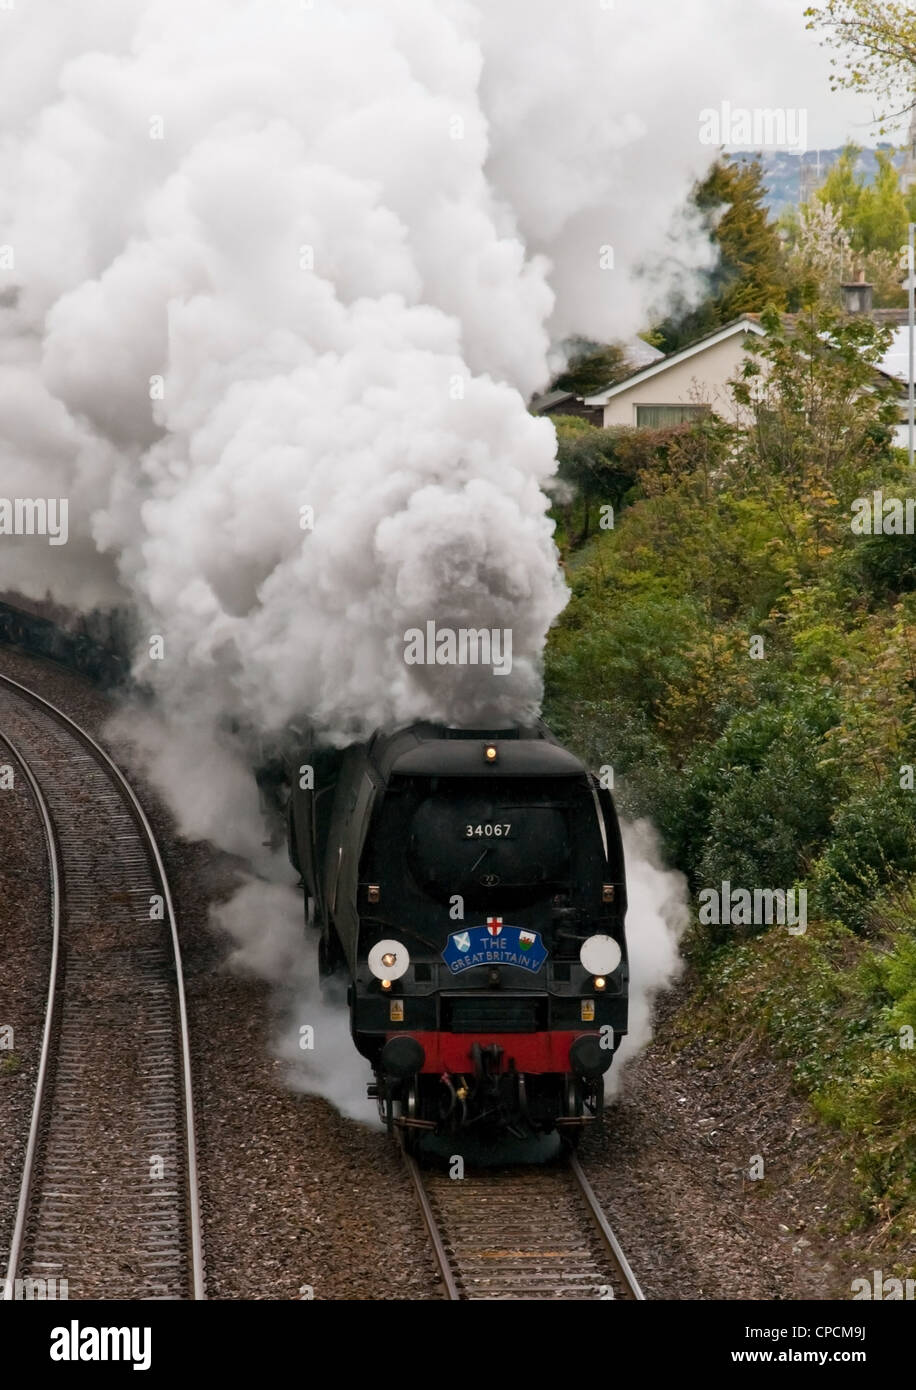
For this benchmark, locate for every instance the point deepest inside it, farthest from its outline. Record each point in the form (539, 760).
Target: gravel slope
(673, 1168)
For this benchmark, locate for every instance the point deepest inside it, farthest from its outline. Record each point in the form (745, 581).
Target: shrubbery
(784, 771)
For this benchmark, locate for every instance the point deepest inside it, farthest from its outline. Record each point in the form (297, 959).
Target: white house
(682, 386)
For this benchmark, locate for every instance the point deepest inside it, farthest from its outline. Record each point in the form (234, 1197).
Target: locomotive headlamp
(599, 982)
(600, 955)
(388, 960)
(490, 753)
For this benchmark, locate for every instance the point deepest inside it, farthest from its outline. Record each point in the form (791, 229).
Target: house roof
(896, 361)
(551, 398)
(747, 323)
(637, 354)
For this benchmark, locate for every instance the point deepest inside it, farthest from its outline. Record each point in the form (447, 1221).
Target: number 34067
(487, 829)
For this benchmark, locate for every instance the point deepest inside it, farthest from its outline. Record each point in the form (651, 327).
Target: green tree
(591, 367)
(749, 273)
(848, 226)
(594, 468)
(842, 189)
(875, 215)
(882, 218)
(820, 419)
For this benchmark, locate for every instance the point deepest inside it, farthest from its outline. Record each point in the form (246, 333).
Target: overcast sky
(790, 67)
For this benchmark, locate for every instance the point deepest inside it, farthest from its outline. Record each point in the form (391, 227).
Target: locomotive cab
(472, 887)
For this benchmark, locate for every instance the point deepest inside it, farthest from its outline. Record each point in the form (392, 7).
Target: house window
(659, 416)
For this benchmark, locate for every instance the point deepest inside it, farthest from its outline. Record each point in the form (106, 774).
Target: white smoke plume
(657, 916)
(276, 282)
(312, 1035)
(265, 258)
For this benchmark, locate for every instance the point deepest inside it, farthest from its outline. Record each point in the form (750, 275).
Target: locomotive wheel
(385, 1105)
(405, 1103)
(409, 1106)
(572, 1097)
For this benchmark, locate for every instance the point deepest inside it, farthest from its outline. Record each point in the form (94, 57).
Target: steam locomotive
(469, 884)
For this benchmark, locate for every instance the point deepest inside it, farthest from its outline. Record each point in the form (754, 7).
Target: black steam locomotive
(470, 884)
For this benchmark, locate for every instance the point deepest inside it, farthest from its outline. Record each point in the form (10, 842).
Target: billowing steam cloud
(313, 1031)
(657, 917)
(276, 281)
(281, 278)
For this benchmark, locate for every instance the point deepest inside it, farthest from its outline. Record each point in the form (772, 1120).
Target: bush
(873, 844)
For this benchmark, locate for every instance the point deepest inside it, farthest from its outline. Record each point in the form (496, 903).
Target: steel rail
(432, 1226)
(450, 1267)
(28, 1164)
(604, 1228)
(120, 780)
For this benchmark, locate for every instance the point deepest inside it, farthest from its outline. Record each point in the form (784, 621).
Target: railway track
(108, 1198)
(522, 1233)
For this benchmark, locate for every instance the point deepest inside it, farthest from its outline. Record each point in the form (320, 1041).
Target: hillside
(782, 170)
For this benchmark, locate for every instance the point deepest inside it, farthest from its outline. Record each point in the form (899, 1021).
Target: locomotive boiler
(469, 884)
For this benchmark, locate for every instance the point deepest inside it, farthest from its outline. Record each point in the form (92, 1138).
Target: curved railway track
(108, 1199)
(522, 1233)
